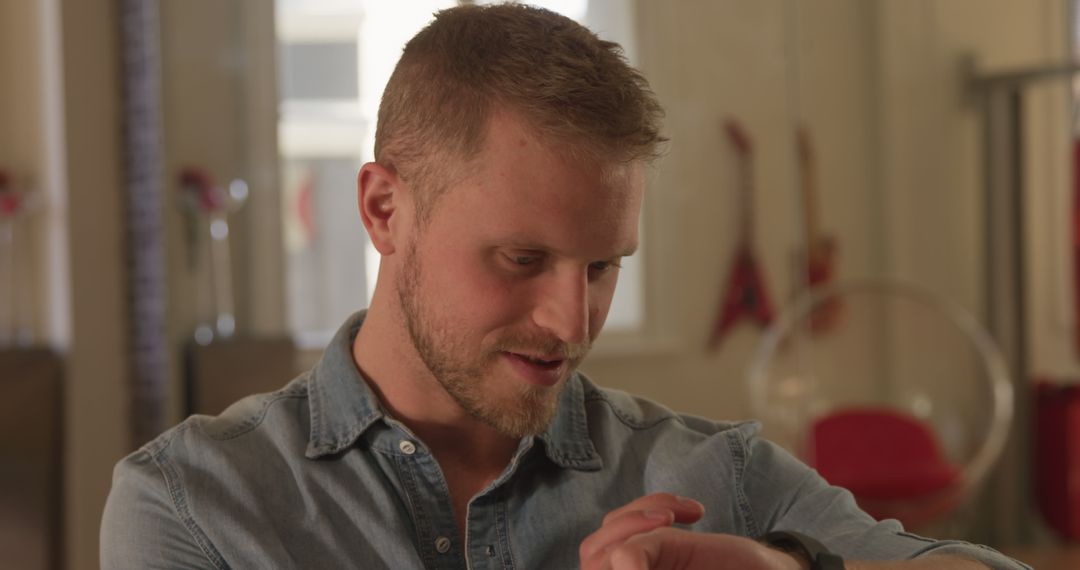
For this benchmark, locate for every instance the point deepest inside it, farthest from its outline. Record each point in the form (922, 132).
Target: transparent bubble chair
(888, 390)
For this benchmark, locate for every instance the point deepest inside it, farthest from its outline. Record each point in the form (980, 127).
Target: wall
(933, 178)
(709, 61)
(219, 113)
(59, 122)
(97, 387)
(22, 148)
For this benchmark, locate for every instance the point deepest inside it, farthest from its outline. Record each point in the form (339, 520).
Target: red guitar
(819, 258)
(1076, 241)
(745, 296)
(9, 201)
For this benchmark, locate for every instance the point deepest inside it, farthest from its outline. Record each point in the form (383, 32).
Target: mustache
(543, 345)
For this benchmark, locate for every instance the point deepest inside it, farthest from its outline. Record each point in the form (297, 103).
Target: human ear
(379, 195)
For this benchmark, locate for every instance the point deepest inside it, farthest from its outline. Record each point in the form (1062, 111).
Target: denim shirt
(318, 475)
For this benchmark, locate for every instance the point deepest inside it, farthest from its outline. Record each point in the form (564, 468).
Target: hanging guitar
(1076, 242)
(818, 261)
(745, 297)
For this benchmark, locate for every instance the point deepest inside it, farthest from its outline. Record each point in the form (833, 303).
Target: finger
(642, 515)
(628, 559)
(658, 550)
(671, 548)
(618, 529)
(685, 510)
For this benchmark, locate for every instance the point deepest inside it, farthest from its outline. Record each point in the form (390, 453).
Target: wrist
(794, 560)
(807, 552)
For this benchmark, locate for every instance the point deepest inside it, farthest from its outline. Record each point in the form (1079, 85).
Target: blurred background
(178, 229)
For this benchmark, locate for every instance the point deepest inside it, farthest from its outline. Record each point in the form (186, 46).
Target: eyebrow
(533, 246)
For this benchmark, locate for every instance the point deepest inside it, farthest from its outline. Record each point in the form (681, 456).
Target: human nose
(563, 307)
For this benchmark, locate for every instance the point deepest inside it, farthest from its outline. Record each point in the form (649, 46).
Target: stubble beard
(527, 411)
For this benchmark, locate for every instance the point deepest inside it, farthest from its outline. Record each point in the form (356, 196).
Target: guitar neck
(746, 200)
(808, 185)
(811, 213)
(741, 140)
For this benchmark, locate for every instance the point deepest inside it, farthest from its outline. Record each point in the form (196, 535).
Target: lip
(533, 373)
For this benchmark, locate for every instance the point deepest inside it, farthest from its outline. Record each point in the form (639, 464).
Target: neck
(386, 358)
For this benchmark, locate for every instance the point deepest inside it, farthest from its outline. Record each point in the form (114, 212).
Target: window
(335, 57)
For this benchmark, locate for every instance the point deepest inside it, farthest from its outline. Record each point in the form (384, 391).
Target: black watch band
(819, 557)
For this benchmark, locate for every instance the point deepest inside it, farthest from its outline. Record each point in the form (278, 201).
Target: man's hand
(639, 536)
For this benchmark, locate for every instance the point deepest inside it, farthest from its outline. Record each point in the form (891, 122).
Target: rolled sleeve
(785, 494)
(978, 552)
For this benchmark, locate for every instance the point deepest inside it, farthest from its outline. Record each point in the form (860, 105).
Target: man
(446, 427)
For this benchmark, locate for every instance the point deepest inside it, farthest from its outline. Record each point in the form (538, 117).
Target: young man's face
(506, 287)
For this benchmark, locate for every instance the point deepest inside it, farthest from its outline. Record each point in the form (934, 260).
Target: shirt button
(442, 544)
(407, 447)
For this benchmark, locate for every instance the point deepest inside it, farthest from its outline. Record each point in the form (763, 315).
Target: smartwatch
(792, 542)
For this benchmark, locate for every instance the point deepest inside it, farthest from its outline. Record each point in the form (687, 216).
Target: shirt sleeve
(140, 528)
(785, 494)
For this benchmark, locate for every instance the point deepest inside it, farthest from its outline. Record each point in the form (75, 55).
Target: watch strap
(819, 557)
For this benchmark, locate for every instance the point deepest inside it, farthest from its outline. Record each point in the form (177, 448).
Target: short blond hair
(575, 89)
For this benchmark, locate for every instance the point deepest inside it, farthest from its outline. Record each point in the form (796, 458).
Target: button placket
(425, 489)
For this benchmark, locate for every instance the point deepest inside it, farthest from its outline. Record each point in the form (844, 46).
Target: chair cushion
(880, 454)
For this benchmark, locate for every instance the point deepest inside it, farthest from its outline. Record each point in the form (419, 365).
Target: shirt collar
(566, 440)
(343, 407)
(342, 404)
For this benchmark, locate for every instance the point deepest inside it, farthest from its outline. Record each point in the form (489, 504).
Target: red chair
(890, 461)
(906, 401)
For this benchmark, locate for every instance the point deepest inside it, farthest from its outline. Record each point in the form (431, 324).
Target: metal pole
(1005, 301)
(1015, 79)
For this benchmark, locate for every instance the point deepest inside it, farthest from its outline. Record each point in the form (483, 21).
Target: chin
(532, 412)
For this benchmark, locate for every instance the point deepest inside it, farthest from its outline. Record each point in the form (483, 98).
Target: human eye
(599, 268)
(522, 260)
